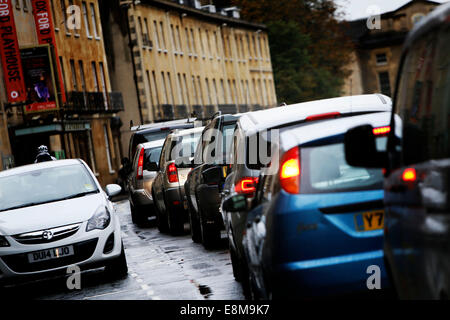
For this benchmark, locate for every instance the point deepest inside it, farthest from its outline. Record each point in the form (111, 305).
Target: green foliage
(308, 48)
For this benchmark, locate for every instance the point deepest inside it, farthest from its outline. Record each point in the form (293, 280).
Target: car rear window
(153, 154)
(325, 170)
(184, 146)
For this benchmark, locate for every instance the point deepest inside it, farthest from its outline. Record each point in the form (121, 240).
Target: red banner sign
(9, 50)
(46, 34)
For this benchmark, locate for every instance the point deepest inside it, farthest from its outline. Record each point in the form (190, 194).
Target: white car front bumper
(88, 247)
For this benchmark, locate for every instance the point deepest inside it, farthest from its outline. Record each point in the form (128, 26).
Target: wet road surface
(160, 267)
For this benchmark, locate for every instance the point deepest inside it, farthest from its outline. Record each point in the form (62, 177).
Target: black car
(417, 168)
(201, 188)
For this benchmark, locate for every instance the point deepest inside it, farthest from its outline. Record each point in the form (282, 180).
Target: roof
(329, 128)
(436, 18)
(165, 124)
(184, 132)
(271, 118)
(205, 15)
(38, 166)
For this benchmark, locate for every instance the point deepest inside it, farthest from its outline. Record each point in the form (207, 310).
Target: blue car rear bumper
(333, 275)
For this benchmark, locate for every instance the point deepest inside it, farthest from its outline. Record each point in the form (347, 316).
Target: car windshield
(324, 170)
(44, 186)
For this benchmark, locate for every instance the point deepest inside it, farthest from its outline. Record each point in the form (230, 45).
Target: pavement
(160, 267)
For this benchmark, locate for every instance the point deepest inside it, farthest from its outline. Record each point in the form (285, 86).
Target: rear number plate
(369, 221)
(50, 254)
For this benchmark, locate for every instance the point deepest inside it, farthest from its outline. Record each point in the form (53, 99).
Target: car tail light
(140, 167)
(247, 186)
(409, 175)
(172, 173)
(381, 131)
(323, 116)
(290, 171)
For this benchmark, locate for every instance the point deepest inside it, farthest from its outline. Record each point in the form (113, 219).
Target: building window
(193, 46)
(385, 85)
(200, 91)
(180, 48)
(103, 82)
(94, 20)
(52, 6)
(180, 89)
(146, 36)
(74, 75)
(25, 5)
(163, 37)
(186, 89)
(166, 101)
(63, 15)
(215, 91)
(417, 17)
(169, 81)
(208, 90)
(155, 26)
(174, 41)
(82, 78)
(156, 88)
(187, 42)
(95, 76)
(86, 20)
(63, 76)
(108, 151)
(381, 59)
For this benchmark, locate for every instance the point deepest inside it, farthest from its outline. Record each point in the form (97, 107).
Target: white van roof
(253, 122)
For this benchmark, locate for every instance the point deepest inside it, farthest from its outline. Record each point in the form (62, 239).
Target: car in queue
(140, 181)
(202, 192)
(54, 215)
(251, 144)
(316, 224)
(168, 187)
(147, 133)
(416, 189)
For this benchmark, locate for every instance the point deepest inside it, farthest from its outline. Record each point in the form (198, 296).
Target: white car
(54, 215)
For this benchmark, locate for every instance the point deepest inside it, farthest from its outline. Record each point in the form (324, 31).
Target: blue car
(316, 224)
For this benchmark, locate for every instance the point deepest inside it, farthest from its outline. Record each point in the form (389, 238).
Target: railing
(94, 102)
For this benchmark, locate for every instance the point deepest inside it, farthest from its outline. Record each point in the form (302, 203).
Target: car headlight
(3, 242)
(100, 220)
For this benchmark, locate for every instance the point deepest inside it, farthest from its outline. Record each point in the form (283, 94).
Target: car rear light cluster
(290, 171)
(140, 166)
(172, 173)
(247, 186)
(409, 175)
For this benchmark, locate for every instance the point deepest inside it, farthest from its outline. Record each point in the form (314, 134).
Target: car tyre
(210, 234)
(118, 268)
(174, 222)
(161, 223)
(195, 227)
(235, 265)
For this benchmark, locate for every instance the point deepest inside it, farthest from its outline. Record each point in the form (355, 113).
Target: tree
(308, 47)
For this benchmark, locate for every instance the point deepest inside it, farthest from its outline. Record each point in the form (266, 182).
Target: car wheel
(118, 267)
(175, 223)
(195, 227)
(133, 213)
(235, 265)
(161, 223)
(210, 234)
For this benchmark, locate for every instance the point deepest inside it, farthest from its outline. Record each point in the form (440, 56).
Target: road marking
(106, 294)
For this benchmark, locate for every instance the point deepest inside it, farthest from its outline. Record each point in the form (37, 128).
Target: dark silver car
(140, 180)
(168, 187)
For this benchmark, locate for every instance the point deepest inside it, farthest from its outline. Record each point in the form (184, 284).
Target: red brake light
(409, 175)
(172, 173)
(246, 186)
(140, 166)
(323, 116)
(381, 131)
(290, 171)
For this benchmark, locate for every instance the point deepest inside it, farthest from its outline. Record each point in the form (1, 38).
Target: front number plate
(50, 254)
(369, 221)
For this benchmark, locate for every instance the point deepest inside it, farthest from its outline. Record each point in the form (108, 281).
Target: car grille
(82, 251)
(37, 237)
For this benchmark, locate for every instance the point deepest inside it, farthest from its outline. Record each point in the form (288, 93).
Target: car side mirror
(235, 203)
(113, 190)
(213, 175)
(152, 166)
(361, 149)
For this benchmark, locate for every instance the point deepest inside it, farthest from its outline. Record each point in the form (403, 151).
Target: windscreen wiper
(78, 195)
